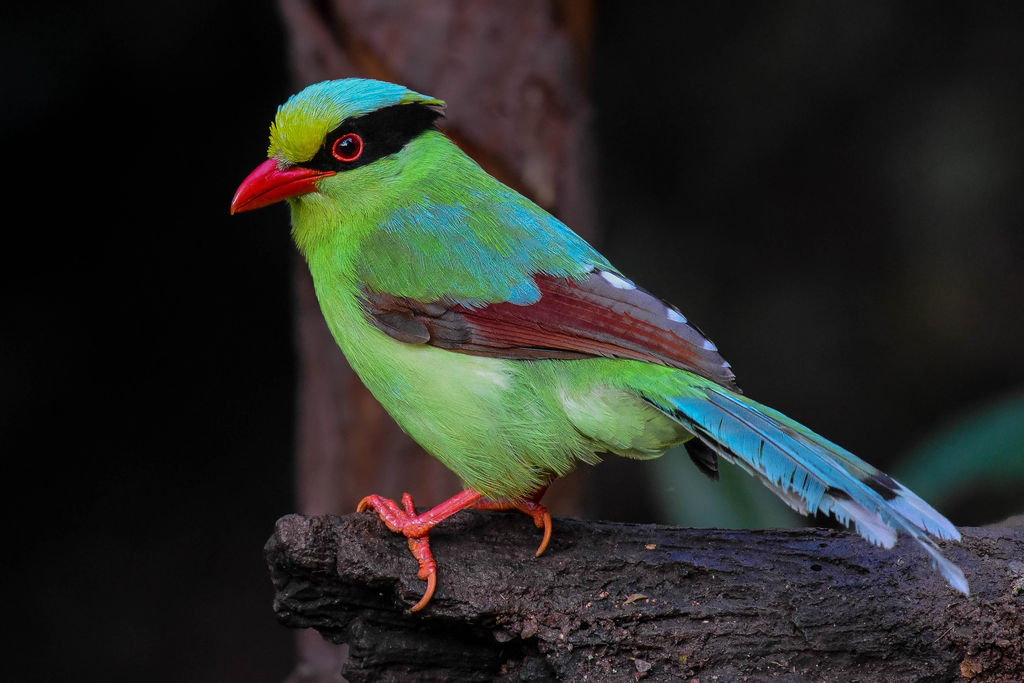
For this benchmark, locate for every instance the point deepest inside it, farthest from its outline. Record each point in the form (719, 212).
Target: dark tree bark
(622, 602)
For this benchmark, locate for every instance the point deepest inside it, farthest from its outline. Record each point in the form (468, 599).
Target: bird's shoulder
(465, 237)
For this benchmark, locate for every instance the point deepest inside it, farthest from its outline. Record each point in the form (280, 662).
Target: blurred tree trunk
(514, 77)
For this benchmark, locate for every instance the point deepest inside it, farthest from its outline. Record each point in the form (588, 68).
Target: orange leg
(417, 528)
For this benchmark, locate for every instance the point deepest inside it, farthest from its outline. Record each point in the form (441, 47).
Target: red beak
(269, 184)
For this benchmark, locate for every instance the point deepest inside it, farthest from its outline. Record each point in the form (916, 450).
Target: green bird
(506, 345)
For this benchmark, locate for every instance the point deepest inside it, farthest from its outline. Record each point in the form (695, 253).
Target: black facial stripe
(384, 132)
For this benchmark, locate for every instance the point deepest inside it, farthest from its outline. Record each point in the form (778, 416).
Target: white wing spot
(675, 316)
(616, 281)
(709, 346)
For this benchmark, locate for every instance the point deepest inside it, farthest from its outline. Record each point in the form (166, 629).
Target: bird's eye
(348, 147)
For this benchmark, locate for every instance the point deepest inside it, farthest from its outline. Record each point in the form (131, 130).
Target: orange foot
(531, 507)
(417, 527)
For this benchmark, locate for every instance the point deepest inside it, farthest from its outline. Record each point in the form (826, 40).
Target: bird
(507, 346)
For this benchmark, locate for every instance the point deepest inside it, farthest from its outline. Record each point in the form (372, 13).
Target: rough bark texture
(621, 602)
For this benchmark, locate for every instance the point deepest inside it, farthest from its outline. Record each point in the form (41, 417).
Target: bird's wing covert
(600, 315)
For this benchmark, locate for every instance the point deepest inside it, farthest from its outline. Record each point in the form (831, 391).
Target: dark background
(832, 191)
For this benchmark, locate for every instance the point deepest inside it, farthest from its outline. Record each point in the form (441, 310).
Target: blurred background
(833, 192)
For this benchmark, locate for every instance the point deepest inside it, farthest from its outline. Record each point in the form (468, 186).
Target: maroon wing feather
(600, 316)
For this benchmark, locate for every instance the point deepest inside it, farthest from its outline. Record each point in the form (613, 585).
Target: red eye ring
(347, 148)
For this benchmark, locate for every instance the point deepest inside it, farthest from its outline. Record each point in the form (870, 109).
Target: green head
(339, 146)
(379, 194)
(305, 122)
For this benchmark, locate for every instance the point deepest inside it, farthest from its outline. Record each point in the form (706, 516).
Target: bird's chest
(499, 424)
(418, 384)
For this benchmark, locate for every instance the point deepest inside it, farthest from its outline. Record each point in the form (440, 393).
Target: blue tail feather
(809, 472)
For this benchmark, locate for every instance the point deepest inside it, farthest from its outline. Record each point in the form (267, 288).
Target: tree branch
(619, 602)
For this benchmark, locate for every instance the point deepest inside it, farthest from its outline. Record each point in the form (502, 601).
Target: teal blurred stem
(984, 446)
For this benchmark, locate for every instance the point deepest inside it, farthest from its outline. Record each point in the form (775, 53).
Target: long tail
(811, 473)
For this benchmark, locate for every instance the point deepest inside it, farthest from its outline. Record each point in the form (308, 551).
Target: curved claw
(542, 518)
(396, 519)
(420, 548)
(431, 585)
(546, 523)
(386, 508)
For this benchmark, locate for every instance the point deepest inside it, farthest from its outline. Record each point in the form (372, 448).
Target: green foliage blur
(977, 455)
